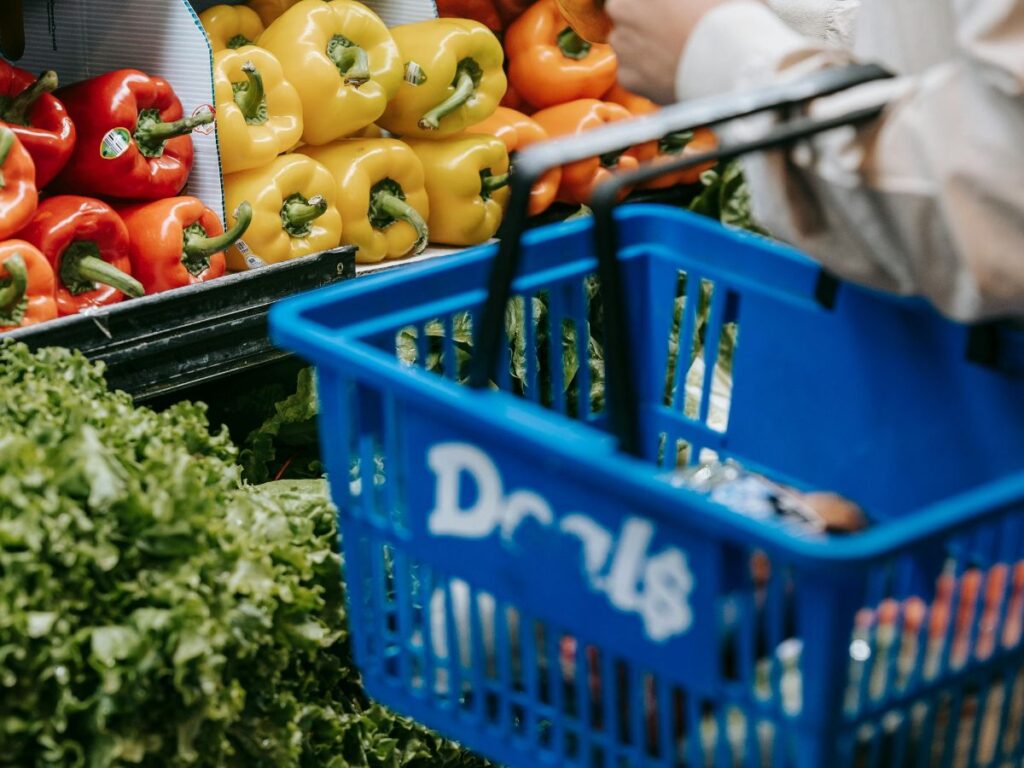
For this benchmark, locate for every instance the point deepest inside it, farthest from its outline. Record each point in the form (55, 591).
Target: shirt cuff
(729, 43)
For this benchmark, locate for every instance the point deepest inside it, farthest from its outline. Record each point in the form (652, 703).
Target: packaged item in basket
(753, 495)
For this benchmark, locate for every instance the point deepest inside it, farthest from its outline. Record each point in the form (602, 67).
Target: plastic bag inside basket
(971, 618)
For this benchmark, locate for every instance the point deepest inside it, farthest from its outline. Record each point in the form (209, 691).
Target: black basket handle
(535, 161)
(623, 410)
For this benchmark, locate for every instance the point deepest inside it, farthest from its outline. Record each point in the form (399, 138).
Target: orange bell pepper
(477, 10)
(671, 148)
(27, 286)
(588, 18)
(518, 131)
(580, 179)
(513, 100)
(636, 104)
(18, 194)
(549, 64)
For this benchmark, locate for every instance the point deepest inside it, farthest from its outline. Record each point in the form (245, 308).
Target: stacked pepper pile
(305, 93)
(344, 132)
(562, 74)
(109, 156)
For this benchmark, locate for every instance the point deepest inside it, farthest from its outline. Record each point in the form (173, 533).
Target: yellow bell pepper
(454, 78)
(270, 10)
(343, 61)
(381, 196)
(231, 26)
(259, 113)
(295, 212)
(369, 132)
(467, 183)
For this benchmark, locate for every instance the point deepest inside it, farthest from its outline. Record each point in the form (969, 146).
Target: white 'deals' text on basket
(656, 586)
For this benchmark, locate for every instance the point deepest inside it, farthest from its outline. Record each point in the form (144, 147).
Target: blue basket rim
(292, 330)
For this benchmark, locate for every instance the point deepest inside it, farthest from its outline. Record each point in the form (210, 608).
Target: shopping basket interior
(899, 645)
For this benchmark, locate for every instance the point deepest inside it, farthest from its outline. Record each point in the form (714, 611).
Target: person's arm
(930, 199)
(828, 20)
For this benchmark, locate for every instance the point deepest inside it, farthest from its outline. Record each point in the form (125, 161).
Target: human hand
(649, 37)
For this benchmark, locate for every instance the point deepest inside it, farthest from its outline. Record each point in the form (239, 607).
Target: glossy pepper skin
(549, 64)
(18, 195)
(467, 184)
(259, 113)
(669, 148)
(513, 100)
(155, 157)
(231, 26)
(179, 241)
(270, 10)
(636, 104)
(341, 59)
(26, 286)
(295, 211)
(87, 245)
(382, 196)
(38, 119)
(588, 18)
(483, 11)
(458, 65)
(580, 179)
(518, 131)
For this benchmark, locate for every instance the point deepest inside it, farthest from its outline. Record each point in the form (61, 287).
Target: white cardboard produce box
(80, 39)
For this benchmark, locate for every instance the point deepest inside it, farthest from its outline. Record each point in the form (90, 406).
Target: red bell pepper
(179, 241)
(477, 10)
(18, 195)
(38, 119)
(510, 10)
(133, 143)
(87, 245)
(26, 286)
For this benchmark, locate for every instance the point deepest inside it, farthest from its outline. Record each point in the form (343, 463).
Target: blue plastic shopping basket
(521, 584)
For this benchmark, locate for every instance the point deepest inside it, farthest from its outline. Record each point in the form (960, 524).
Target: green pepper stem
(152, 133)
(95, 270)
(572, 45)
(196, 247)
(489, 183)
(350, 59)
(21, 105)
(675, 143)
(12, 295)
(465, 87)
(6, 145)
(251, 95)
(384, 202)
(298, 214)
(239, 41)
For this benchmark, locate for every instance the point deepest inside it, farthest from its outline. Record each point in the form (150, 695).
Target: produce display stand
(190, 341)
(165, 344)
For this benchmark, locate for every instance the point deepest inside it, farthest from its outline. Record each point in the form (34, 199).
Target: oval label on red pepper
(208, 128)
(115, 143)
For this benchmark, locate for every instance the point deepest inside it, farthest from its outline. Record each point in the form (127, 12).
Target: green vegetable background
(156, 610)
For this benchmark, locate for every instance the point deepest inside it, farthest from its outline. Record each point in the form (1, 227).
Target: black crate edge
(161, 344)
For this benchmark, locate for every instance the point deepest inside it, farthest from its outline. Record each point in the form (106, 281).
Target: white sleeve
(828, 20)
(929, 199)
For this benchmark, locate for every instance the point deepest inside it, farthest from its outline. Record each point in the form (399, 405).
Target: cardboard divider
(393, 12)
(80, 39)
